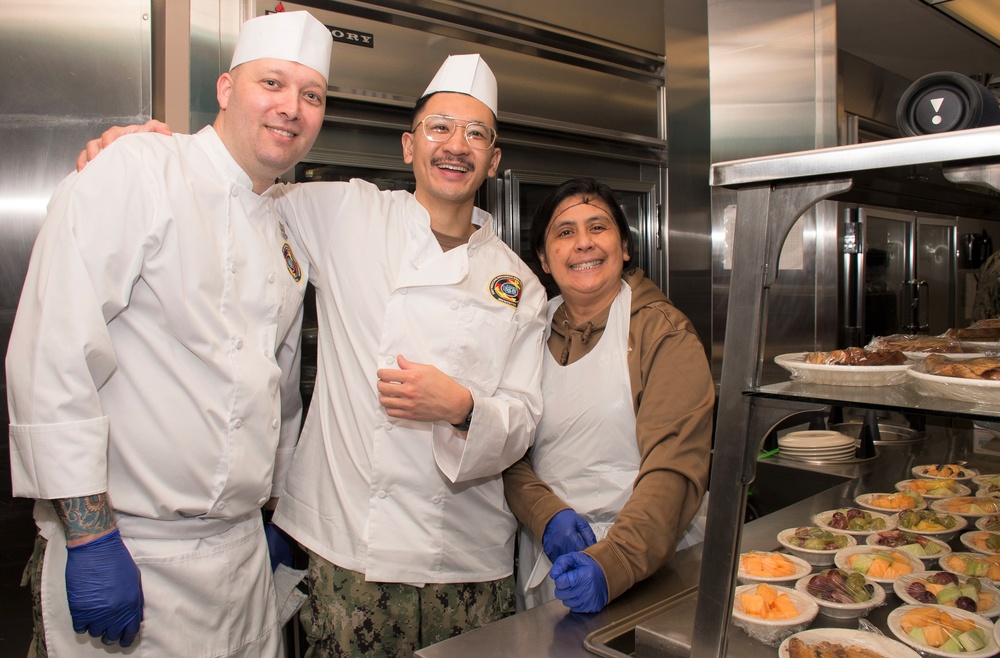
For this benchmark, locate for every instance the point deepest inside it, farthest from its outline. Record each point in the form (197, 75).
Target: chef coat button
(238, 424)
(239, 344)
(270, 277)
(232, 267)
(275, 423)
(387, 426)
(390, 360)
(262, 501)
(222, 504)
(402, 291)
(436, 499)
(235, 191)
(381, 494)
(454, 306)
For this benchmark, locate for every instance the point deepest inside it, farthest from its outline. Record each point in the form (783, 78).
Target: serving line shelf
(951, 173)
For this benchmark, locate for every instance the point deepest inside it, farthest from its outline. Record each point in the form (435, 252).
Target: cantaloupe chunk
(935, 635)
(753, 604)
(784, 605)
(767, 592)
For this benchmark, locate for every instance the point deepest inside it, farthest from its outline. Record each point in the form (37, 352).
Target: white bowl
(956, 489)
(930, 558)
(968, 538)
(984, 623)
(983, 479)
(869, 502)
(823, 521)
(841, 375)
(980, 559)
(843, 560)
(813, 557)
(773, 631)
(802, 568)
(901, 584)
(944, 535)
(836, 610)
(967, 506)
(923, 471)
(991, 523)
(876, 642)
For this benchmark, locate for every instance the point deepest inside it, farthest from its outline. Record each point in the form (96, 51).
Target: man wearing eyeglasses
(428, 386)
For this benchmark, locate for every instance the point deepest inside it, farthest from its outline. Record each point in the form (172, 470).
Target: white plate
(818, 454)
(967, 537)
(813, 557)
(846, 637)
(815, 439)
(983, 522)
(836, 375)
(979, 557)
(900, 584)
(837, 610)
(944, 535)
(983, 480)
(978, 391)
(842, 560)
(943, 548)
(773, 631)
(984, 623)
(923, 471)
(957, 489)
(802, 568)
(958, 506)
(867, 501)
(823, 521)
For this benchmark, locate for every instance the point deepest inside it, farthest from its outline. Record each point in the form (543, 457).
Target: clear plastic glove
(566, 532)
(279, 546)
(104, 590)
(580, 582)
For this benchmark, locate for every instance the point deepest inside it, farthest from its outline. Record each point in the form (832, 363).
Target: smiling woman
(590, 493)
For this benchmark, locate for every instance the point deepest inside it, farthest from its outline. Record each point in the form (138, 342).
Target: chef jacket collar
(220, 156)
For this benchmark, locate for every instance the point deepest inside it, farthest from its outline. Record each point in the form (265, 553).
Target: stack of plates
(817, 445)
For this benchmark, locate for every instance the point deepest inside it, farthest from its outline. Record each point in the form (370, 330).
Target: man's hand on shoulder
(95, 146)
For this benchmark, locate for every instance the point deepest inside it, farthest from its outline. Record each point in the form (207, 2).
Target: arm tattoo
(85, 516)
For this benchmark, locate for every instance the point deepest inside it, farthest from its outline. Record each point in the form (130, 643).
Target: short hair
(588, 188)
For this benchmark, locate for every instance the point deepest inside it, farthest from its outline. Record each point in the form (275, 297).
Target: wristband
(464, 425)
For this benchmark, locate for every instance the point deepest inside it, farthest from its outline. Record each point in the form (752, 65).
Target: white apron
(194, 589)
(585, 446)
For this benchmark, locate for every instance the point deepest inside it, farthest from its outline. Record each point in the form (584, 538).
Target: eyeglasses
(440, 128)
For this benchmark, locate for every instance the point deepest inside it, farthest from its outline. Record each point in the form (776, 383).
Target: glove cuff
(110, 538)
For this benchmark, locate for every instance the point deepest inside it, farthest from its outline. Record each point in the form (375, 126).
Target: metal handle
(919, 321)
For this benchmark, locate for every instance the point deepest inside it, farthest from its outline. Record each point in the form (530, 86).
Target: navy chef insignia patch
(506, 288)
(291, 263)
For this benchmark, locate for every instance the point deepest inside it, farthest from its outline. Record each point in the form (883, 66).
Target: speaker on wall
(946, 101)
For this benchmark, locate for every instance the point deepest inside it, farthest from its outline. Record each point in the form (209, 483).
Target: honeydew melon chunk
(949, 594)
(973, 640)
(951, 645)
(917, 634)
(862, 562)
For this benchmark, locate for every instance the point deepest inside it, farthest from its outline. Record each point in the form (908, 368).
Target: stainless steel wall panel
(773, 89)
(70, 71)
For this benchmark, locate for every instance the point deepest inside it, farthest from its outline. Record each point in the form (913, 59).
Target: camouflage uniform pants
(33, 577)
(348, 616)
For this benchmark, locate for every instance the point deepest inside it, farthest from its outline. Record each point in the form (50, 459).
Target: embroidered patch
(291, 263)
(506, 288)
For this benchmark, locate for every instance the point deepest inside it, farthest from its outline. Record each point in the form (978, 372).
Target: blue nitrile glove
(104, 590)
(279, 546)
(566, 532)
(580, 582)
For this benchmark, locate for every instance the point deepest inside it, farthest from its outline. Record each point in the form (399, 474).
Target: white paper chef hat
(295, 36)
(466, 74)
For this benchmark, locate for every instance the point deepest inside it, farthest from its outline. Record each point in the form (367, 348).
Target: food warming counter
(951, 170)
(655, 618)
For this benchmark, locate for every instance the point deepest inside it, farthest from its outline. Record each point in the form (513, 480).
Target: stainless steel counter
(656, 617)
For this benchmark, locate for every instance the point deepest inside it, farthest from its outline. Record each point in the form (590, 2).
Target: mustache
(461, 162)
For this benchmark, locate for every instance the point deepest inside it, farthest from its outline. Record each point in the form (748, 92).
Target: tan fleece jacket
(673, 395)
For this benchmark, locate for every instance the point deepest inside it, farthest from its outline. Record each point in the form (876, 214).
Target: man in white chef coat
(152, 370)
(428, 386)
(430, 338)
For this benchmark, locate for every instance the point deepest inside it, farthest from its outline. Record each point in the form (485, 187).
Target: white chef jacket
(397, 500)
(160, 311)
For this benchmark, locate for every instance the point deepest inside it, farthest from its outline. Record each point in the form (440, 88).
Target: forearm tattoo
(85, 516)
